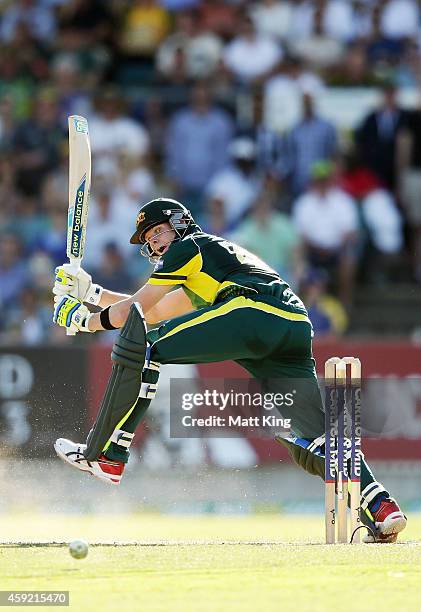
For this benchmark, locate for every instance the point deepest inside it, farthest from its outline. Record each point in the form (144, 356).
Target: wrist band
(85, 323)
(104, 317)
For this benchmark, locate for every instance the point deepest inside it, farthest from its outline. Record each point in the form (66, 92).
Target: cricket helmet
(162, 210)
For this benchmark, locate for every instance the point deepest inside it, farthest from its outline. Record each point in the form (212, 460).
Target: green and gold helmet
(162, 210)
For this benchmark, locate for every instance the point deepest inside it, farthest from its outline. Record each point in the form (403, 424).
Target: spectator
(85, 35)
(355, 178)
(400, 18)
(220, 17)
(179, 5)
(318, 49)
(251, 56)
(379, 212)
(197, 146)
(38, 18)
(16, 83)
(13, 270)
(383, 221)
(29, 322)
(7, 122)
(8, 194)
(327, 220)
(37, 143)
(112, 270)
(145, 25)
(72, 100)
(362, 20)
(112, 131)
(28, 223)
(84, 24)
(407, 73)
(409, 182)
(382, 50)
(283, 92)
(214, 221)
(106, 213)
(201, 49)
(271, 235)
(272, 18)
(376, 137)
(135, 183)
(40, 270)
(301, 20)
(312, 139)
(335, 19)
(33, 56)
(53, 195)
(338, 19)
(268, 141)
(53, 240)
(234, 188)
(354, 70)
(326, 313)
(156, 124)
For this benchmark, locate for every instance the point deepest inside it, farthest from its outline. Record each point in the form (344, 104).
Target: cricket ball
(78, 549)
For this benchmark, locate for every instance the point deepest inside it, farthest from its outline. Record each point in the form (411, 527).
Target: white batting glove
(71, 313)
(78, 285)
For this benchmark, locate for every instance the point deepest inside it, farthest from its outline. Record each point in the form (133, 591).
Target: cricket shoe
(389, 520)
(102, 468)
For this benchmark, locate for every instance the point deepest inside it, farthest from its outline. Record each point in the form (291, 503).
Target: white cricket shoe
(389, 520)
(102, 468)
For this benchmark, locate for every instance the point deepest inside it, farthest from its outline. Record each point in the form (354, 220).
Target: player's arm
(158, 302)
(185, 260)
(154, 297)
(108, 298)
(155, 300)
(147, 296)
(173, 304)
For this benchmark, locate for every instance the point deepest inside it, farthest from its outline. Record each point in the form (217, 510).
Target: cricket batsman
(211, 301)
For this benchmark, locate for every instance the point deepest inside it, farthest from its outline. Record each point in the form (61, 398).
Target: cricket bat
(79, 187)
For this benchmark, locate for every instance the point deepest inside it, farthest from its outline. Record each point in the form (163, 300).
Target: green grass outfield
(260, 562)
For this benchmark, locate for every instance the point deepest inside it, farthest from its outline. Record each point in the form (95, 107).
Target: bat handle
(75, 263)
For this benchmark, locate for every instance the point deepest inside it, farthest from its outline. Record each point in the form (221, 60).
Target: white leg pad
(122, 438)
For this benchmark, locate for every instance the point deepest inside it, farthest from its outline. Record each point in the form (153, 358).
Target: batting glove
(78, 285)
(71, 313)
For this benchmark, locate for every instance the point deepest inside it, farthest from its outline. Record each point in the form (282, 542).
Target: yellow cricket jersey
(208, 267)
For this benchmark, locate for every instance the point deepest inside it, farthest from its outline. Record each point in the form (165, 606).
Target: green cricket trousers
(270, 340)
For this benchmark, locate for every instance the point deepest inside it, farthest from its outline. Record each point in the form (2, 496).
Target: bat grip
(75, 269)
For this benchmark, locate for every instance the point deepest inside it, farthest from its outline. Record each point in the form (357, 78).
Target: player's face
(160, 237)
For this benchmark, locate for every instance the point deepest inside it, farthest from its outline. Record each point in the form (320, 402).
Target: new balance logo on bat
(77, 220)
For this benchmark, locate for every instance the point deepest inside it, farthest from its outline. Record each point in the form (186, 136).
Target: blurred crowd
(214, 103)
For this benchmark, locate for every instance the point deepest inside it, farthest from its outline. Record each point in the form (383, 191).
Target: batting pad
(128, 357)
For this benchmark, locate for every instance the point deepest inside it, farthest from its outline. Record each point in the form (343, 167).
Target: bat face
(75, 222)
(79, 186)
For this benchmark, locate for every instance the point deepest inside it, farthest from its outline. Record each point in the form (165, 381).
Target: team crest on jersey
(140, 217)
